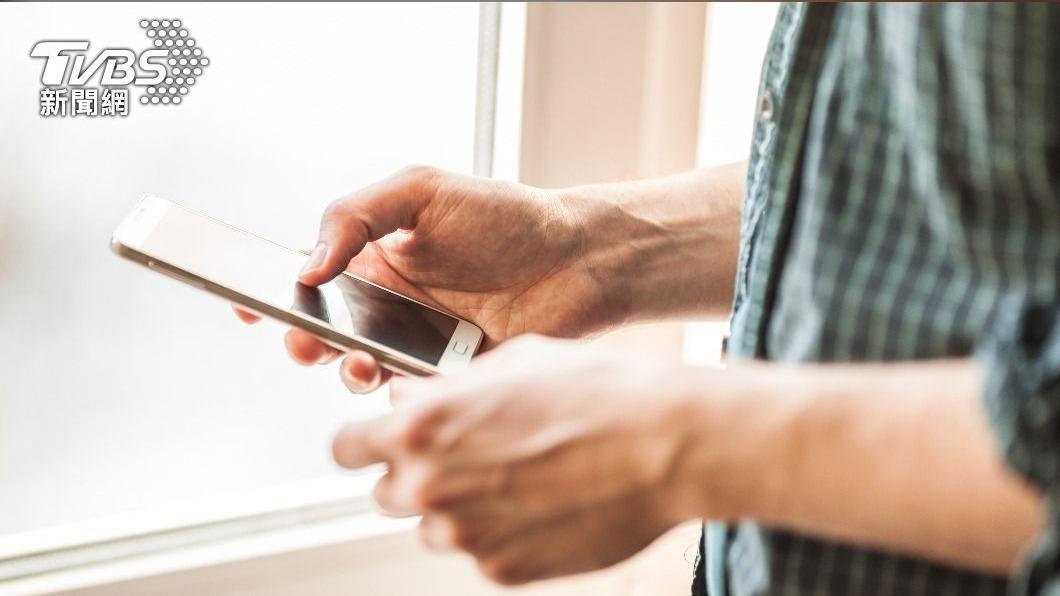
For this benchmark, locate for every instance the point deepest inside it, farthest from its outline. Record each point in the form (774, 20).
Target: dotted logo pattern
(184, 63)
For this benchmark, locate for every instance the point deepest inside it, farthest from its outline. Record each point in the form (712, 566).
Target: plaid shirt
(903, 202)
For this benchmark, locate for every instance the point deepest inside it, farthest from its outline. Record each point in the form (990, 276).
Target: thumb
(366, 215)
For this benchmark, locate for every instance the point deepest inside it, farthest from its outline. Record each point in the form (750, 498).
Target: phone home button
(459, 347)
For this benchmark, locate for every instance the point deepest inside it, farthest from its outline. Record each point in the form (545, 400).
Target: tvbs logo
(119, 65)
(166, 71)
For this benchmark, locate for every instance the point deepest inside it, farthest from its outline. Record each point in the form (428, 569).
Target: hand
(508, 257)
(543, 458)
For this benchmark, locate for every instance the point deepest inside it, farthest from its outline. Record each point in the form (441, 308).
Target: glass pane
(737, 36)
(120, 389)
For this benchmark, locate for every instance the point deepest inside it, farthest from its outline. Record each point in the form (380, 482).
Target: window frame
(313, 513)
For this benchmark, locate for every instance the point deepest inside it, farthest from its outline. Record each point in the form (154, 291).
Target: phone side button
(460, 347)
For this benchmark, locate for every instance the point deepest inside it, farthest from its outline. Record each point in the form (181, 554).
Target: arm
(897, 456)
(543, 475)
(516, 259)
(667, 246)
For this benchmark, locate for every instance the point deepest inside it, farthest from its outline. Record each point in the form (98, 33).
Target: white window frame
(120, 553)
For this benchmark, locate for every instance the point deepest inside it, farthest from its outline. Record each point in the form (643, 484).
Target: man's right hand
(508, 257)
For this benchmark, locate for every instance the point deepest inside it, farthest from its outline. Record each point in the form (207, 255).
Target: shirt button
(765, 107)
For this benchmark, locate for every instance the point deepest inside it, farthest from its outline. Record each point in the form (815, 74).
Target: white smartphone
(347, 313)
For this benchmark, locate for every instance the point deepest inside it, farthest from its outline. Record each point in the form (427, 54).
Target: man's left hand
(543, 458)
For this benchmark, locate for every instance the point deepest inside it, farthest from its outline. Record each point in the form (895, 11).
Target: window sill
(283, 519)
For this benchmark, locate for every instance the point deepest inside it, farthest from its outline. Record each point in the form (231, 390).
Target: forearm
(898, 456)
(663, 247)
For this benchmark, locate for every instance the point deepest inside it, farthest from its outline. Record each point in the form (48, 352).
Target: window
(148, 439)
(737, 34)
(123, 391)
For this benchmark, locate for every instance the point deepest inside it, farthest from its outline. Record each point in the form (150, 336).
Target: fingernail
(315, 258)
(352, 383)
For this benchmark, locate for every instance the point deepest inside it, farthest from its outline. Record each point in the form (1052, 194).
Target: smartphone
(261, 276)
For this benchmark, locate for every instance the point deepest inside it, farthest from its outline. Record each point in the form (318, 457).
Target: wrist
(736, 432)
(603, 261)
(634, 264)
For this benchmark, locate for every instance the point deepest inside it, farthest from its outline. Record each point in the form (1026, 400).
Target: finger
(480, 531)
(401, 491)
(575, 541)
(477, 491)
(306, 349)
(404, 388)
(440, 532)
(361, 373)
(359, 444)
(389, 499)
(364, 216)
(245, 315)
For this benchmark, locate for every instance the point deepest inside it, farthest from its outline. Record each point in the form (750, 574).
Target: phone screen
(356, 307)
(268, 272)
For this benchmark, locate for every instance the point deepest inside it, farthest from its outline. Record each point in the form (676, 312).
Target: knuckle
(428, 493)
(430, 531)
(383, 495)
(419, 431)
(342, 214)
(333, 210)
(499, 480)
(502, 571)
(434, 413)
(409, 436)
(419, 176)
(412, 435)
(424, 493)
(443, 532)
(417, 171)
(464, 537)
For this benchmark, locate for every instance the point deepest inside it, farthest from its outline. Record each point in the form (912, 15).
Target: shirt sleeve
(1022, 393)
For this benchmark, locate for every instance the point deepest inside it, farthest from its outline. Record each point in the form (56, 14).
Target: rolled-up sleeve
(1022, 394)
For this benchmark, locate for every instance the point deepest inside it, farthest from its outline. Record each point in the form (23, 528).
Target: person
(890, 259)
